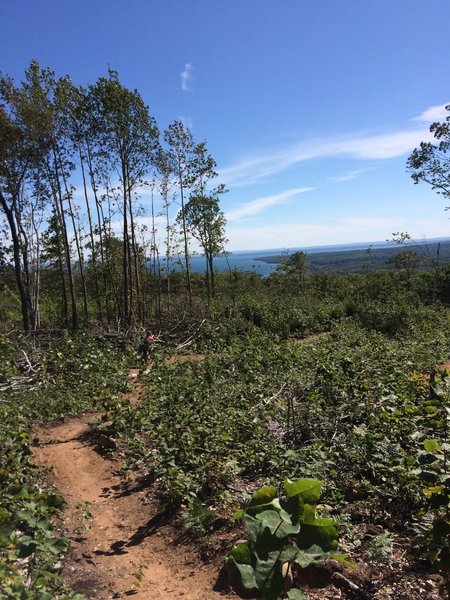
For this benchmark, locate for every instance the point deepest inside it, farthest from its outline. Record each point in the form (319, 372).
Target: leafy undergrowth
(347, 408)
(70, 376)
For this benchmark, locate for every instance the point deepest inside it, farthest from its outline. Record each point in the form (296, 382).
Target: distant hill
(370, 259)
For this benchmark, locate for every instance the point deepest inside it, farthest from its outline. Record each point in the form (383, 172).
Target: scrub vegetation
(316, 412)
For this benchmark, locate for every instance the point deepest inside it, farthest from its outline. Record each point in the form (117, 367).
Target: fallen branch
(30, 366)
(342, 582)
(190, 338)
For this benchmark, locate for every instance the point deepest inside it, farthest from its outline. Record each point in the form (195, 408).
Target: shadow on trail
(151, 527)
(115, 549)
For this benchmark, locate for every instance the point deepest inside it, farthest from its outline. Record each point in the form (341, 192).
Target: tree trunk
(62, 221)
(186, 247)
(135, 254)
(24, 300)
(126, 316)
(91, 236)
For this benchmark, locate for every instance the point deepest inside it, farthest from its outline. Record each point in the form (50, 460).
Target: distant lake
(250, 260)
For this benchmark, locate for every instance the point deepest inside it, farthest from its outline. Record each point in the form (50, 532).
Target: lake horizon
(251, 260)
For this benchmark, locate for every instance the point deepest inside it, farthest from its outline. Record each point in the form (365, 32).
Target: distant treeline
(421, 256)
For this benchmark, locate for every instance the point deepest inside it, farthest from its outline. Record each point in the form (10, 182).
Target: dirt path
(126, 552)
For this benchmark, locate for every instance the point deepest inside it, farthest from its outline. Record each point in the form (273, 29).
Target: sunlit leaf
(308, 489)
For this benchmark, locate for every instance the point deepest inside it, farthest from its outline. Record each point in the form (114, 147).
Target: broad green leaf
(52, 500)
(266, 543)
(431, 445)
(263, 496)
(276, 525)
(265, 568)
(295, 507)
(269, 578)
(252, 525)
(247, 575)
(342, 558)
(27, 545)
(44, 525)
(262, 499)
(311, 555)
(309, 513)
(55, 546)
(308, 489)
(242, 554)
(321, 532)
(288, 553)
(238, 514)
(20, 492)
(432, 490)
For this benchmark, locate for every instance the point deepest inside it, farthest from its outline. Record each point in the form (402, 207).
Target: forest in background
(416, 255)
(74, 164)
(310, 377)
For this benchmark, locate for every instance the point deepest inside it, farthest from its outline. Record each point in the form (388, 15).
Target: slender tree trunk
(211, 275)
(125, 283)
(155, 261)
(186, 246)
(62, 221)
(168, 252)
(24, 302)
(112, 284)
(25, 261)
(77, 244)
(135, 253)
(37, 275)
(91, 236)
(100, 225)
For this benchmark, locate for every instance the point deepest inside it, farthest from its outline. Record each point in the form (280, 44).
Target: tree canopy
(431, 161)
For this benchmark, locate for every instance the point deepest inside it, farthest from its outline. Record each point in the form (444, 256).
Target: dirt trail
(126, 545)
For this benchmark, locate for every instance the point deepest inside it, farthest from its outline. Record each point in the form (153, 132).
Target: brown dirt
(445, 366)
(127, 552)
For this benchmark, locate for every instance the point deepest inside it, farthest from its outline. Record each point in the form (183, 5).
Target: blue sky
(310, 107)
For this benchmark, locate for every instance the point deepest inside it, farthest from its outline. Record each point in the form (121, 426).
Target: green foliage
(198, 518)
(7, 367)
(380, 549)
(287, 318)
(341, 407)
(434, 474)
(74, 374)
(282, 530)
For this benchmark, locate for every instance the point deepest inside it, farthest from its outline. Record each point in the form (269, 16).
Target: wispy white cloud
(260, 165)
(186, 77)
(369, 223)
(433, 113)
(254, 207)
(346, 176)
(340, 231)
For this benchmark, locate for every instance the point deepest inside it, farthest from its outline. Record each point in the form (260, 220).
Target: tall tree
(207, 223)
(24, 141)
(76, 118)
(431, 162)
(192, 167)
(181, 160)
(163, 166)
(129, 136)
